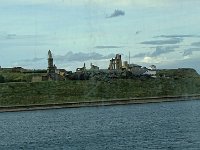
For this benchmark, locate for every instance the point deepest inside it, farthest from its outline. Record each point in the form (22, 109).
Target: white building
(151, 71)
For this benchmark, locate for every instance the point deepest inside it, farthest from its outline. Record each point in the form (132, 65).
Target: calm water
(148, 126)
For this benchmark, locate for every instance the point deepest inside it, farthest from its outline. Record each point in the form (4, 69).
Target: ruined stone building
(125, 65)
(93, 67)
(115, 63)
(82, 69)
(137, 70)
(52, 72)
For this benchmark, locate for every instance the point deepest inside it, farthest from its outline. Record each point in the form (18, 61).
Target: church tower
(51, 67)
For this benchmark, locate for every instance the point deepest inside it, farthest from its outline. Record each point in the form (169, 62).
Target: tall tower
(118, 61)
(51, 68)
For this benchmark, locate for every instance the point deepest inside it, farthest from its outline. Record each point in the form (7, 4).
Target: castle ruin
(115, 63)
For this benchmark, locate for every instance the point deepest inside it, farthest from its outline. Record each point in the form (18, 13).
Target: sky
(165, 33)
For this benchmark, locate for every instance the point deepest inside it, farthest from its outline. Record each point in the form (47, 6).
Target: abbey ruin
(116, 69)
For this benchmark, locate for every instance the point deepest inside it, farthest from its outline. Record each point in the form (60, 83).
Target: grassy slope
(18, 77)
(68, 91)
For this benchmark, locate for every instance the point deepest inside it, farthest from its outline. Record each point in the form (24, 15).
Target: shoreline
(110, 102)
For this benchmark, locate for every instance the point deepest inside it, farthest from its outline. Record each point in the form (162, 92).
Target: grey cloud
(104, 47)
(163, 50)
(32, 60)
(159, 50)
(70, 56)
(13, 40)
(8, 36)
(195, 44)
(36, 62)
(140, 55)
(116, 13)
(177, 36)
(189, 51)
(163, 42)
(31, 63)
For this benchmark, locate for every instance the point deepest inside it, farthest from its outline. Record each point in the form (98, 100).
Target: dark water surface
(174, 125)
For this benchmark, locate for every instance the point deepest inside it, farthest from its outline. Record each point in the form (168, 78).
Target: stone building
(93, 67)
(82, 69)
(51, 67)
(151, 71)
(137, 69)
(115, 63)
(52, 72)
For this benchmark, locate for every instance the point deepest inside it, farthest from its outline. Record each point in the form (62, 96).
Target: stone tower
(115, 63)
(118, 61)
(51, 67)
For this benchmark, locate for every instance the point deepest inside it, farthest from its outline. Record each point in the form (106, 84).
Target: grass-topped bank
(26, 93)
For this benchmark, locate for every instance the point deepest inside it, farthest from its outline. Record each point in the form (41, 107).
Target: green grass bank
(26, 93)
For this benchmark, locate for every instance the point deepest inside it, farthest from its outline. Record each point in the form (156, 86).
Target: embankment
(91, 92)
(94, 103)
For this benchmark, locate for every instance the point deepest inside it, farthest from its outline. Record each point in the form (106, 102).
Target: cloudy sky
(165, 33)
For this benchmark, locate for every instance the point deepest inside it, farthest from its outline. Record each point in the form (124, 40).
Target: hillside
(7, 76)
(18, 90)
(178, 73)
(76, 90)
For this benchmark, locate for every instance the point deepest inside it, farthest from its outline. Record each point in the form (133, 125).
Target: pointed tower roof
(49, 54)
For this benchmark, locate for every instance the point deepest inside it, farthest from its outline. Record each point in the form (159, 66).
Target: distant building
(137, 69)
(151, 71)
(93, 67)
(52, 72)
(152, 67)
(125, 65)
(115, 63)
(51, 67)
(81, 69)
(61, 72)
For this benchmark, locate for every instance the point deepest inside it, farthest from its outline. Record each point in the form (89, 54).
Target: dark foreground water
(174, 125)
